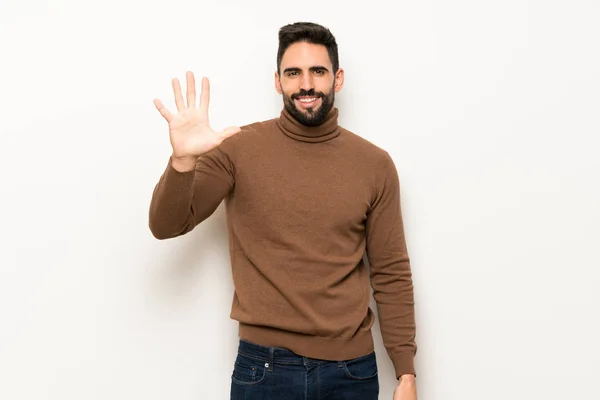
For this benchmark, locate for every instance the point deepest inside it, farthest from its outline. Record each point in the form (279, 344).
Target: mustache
(306, 93)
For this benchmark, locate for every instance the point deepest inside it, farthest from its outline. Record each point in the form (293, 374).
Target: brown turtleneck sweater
(303, 205)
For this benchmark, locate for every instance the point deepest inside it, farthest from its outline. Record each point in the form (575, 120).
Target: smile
(307, 101)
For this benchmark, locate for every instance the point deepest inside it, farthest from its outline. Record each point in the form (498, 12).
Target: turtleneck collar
(329, 129)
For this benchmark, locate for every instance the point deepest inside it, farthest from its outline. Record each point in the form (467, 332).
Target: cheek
(325, 87)
(288, 91)
(290, 86)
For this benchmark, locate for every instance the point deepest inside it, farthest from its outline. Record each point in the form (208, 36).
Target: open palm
(189, 131)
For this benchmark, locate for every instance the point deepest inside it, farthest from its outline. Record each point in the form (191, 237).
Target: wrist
(183, 164)
(406, 379)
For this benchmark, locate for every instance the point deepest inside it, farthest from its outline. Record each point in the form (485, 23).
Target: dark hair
(311, 33)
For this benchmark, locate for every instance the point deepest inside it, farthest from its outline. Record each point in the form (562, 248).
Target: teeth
(308, 100)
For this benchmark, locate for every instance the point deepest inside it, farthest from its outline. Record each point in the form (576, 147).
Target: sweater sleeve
(391, 277)
(181, 200)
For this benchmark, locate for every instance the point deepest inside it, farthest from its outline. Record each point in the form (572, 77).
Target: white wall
(489, 108)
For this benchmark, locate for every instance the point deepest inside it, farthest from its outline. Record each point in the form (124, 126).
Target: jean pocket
(361, 368)
(248, 371)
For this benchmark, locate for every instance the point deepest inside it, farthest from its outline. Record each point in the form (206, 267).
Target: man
(305, 200)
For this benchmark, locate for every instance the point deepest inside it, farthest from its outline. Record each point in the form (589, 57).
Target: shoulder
(250, 133)
(375, 160)
(365, 149)
(260, 128)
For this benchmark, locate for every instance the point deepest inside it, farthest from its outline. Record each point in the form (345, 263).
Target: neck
(329, 129)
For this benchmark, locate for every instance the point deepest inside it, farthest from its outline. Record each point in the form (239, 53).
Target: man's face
(307, 82)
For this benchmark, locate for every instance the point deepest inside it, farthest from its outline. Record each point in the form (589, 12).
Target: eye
(320, 72)
(292, 73)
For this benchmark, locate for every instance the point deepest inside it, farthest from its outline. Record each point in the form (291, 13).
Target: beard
(312, 116)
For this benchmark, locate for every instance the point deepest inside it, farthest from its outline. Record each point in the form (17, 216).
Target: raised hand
(189, 131)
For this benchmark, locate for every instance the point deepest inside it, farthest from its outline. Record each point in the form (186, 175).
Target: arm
(199, 173)
(184, 198)
(391, 276)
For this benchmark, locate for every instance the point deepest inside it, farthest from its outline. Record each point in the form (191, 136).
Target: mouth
(307, 101)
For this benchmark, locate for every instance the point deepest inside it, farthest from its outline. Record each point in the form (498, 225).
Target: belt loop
(271, 357)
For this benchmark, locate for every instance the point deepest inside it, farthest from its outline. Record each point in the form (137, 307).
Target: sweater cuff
(404, 363)
(177, 177)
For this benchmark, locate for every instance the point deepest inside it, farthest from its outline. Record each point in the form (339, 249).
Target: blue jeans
(272, 373)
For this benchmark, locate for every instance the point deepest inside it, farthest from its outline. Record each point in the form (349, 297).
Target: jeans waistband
(270, 355)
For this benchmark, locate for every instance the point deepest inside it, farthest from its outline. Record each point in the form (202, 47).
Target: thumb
(232, 130)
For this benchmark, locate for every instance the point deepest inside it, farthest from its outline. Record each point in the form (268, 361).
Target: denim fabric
(274, 373)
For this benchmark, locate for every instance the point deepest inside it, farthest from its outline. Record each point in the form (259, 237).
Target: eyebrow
(312, 69)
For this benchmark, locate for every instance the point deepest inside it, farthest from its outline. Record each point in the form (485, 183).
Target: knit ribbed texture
(303, 206)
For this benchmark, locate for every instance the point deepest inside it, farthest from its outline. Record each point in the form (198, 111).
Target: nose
(307, 82)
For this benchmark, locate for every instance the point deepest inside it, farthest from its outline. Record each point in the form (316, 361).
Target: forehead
(305, 55)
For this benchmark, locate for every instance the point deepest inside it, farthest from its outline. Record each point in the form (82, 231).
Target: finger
(162, 110)
(205, 96)
(178, 96)
(232, 130)
(191, 89)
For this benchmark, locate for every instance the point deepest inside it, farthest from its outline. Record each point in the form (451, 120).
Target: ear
(339, 80)
(278, 83)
